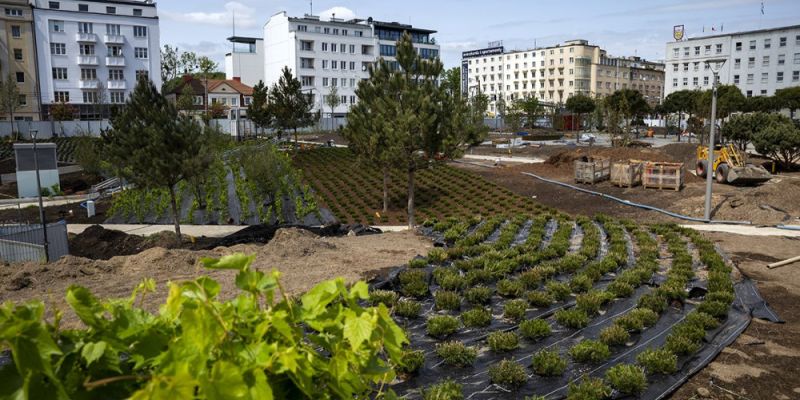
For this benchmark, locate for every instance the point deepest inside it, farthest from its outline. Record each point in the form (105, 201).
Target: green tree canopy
(628, 103)
(580, 104)
(741, 128)
(291, 108)
(729, 100)
(788, 98)
(259, 111)
(530, 108)
(779, 140)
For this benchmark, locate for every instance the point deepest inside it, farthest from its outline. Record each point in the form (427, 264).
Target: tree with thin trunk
(206, 66)
(152, 146)
(332, 100)
(9, 98)
(259, 111)
(290, 107)
(580, 104)
(788, 98)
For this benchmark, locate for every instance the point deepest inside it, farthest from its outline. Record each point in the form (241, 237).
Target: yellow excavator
(730, 166)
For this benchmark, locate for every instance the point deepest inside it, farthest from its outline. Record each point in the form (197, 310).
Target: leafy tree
(333, 100)
(630, 104)
(741, 128)
(60, 112)
(259, 111)
(788, 98)
(9, 97)
(170, 61)
(217, 110)
(761, 104)
(188, 62)
(729, 100)
(580, 104)
(206, 66)
(291, 108)
(681, 102)
(152, 146)
(185, 101)
(780, 141)
(531, 108)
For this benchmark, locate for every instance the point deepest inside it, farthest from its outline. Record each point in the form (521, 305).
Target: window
(111, 10)
(302, 28)
(764, 77)
(327, 30)
(116, 97)
(140, 52)
(13, 12)
(83, 7)
(344, 99)
(697, 66)
(685, 81)
(763, 92)
(140, 31)
(20, 77)
(359, 33)
(86, 49)
(324, 46)
(18, 54)
(795, 76)
(90, 97)
(765, 61)
(749, 93)
(352, 65)
(23, 100)
(782, 42)
(781, 59)
(705, 81)
(708, 49)
(85, 27)
(334, 64)
(335, 31)
(738, 46)
(674, 68)
(695, 81)
(344, 32)
(235, 101)
(88, 74)
(749, 78)
(767, 43)
(779, 77)
(116, 75)
(61, 97)
(697, 50)
(686, 66)
(56, 26)
(307, 63)
(60, 73)
(736, 79)
(248, 100)
(142, 74)
(137, 12)
(306, 45)
(751, 62)
(797, 58)
(675, 52)
(343, 48)
(388, 50)
(352, 49)
(308, 80)
(352, 99)
(54, 5)
(324, 64)
(719, 48)
(324, 82)
(334, 82)
(752, 45)
(112, 29)
(16, 31)
(58, 49)
(114, 51)
(737, 63)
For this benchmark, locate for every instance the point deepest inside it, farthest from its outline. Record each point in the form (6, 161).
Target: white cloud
(245, 16)
(340, 12)
(461, 46)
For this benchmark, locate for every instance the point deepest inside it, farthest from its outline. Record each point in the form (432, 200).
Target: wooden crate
(627, 173)
(662, 176)
(592, 171)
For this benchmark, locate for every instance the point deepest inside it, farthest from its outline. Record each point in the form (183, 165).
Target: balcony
(115, 61)
(89, 84)
(86, 38)
(117, 85)
(114, 39)
(87, 60)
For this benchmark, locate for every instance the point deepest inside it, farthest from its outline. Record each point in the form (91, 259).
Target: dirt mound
(292, 242)
(98, 243)
(568, 157)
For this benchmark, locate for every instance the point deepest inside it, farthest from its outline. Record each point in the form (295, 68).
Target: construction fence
(25, 243)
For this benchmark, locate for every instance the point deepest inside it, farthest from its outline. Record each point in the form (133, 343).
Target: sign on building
(483, 52)
(465, 77)
(678, 32)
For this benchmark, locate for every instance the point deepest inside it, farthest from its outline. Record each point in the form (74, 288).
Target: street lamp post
(715, 65)
(39, 192)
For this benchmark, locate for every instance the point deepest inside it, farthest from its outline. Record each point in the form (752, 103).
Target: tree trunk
(411, 198)
(296, 141)
(385, 189)
(175, 216)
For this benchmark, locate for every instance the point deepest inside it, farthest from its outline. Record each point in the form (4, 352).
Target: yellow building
(18, 57)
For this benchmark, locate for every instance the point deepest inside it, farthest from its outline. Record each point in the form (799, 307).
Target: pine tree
(259, 111)
(291, 108)
(152, 146)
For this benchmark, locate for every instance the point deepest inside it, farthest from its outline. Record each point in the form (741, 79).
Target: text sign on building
(483, 52)
(465, 77)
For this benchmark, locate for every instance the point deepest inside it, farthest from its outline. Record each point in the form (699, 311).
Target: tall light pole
(715, 65)
(35, 133)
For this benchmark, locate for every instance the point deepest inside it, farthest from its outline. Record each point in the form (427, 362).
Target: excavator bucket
(748, 175)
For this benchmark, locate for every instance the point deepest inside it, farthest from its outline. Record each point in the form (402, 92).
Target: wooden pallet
(663, 176)
(592, 171)
(627, 173)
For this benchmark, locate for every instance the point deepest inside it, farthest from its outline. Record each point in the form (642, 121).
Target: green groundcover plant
(260, 345)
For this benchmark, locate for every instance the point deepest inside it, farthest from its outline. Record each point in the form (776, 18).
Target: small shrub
(477, 318)
(702, 319)
(478, 295)
(412, 361)
(502, 341)
(621, 289)
(581, 283)
(693, 332)
(653, 301)
(717, 309)
(588, 389)
(452, 282)
(590, 351)
(548, 363)
(573, 318)
(509, 373)
(385, 297)
(637, 319)
(510, 288)
(418, 263)
(627, 379)
(591, 301)
(647, 316)
(514, 310)
(442, 326)
(614, 335)
(408, 308)
(531, 278)
(558, 290)
(539, 299)
(722, 297)
(658, 361)
(681, 345)
(446, 300)
(479, 276)
(535, 329)
(456, 354)
(414, 283)
(437, 256)
(445, 390)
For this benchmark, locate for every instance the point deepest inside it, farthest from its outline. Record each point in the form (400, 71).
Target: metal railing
(21, 243)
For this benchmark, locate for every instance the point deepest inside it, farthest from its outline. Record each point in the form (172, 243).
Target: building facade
(18, 57)
(229, 93)
(246, 60)
(334, 53)
(91, 53)
(757, 62)
(553, 74)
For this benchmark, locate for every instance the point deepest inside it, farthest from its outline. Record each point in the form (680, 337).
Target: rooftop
(741, 33)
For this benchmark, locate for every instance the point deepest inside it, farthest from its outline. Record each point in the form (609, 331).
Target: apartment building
(334, 53)
(553, 74)
(758, 62)
(246, 60)
(18, 57)
(92, 52)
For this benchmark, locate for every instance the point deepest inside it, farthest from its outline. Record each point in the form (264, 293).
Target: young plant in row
(573, 318)
(658, 361)
(514, 310)
(588, 388)
(477, 318)
(548, 363)
(478, 295)
(412, 361)
(447, 300)
(500, 341)
(590, 351)
(408, 308)
(456, 354)
(627, 379)
(442, 326)
(508, 373)
(445, 390)
(535, 329)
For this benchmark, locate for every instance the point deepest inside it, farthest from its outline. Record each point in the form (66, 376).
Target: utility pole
(39, 192)
(715, 66)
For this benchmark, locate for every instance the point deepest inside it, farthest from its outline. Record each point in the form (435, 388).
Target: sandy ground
(303, 258)
(764, 362)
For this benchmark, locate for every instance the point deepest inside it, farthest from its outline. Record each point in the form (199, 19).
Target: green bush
(510, 288)
(479, 276)
(456, 354)
(477, 318)
(721, 296)
(445, 390)
(614, 335)
(539, 299)
(681, 345)
(627, 379)
(701, 319)
(588, 389)
(508, 373)
(408, 308)
(531, 278)
(621, 289)
(573, 318)
(558, 290)
(591, 301)
(637, 319)
(386, 297)
(437, 256)
(446, 300)
(653, 301)
(442, 326)
(452, 282)
(478, 295)
(548, 363)
(581, 283)
(412, 361)
(514, 310)
(717, 309)
(500, 341)
(658, 361)
(535, 329)
(590, 351)
(414, 283)
(418, 263)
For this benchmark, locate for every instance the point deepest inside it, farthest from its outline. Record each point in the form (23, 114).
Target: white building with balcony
(246, 60)
(91, 52)
(334, 53)
(757, 62)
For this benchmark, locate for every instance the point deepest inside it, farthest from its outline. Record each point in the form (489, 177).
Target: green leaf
(318, 298)
(358, 329)
(359, 291)
(86, 306)
(92, 352)
(226, 382)
(237, 262)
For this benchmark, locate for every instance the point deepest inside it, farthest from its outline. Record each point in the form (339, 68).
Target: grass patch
(514, 310)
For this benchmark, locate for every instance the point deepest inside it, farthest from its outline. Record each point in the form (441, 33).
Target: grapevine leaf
(86, 306)
(92, 352)
(358, 329)
(317, 299)
(237, 262)
(359, 291)
(226, 382)
(260, 389)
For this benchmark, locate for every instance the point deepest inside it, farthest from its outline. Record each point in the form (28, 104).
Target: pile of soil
(303, 258)
(98, 243)
(568, 157)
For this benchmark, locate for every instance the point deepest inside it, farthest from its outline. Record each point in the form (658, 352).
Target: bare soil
(98, 243)
(303, 258)
(72, 213)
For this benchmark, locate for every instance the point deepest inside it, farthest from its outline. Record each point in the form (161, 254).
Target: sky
(622, 27)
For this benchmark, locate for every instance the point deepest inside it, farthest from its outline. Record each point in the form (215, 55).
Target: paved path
(47, 202)
(522, 160)
(214, 231)
(745, 230)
